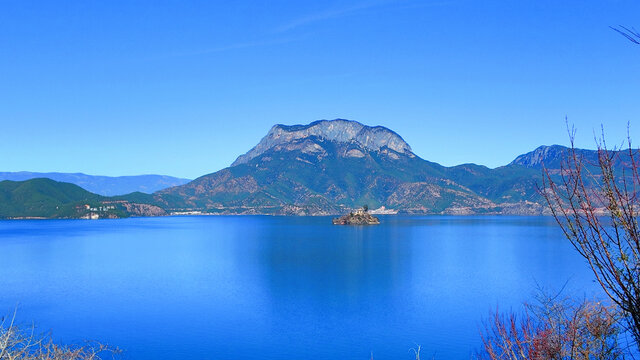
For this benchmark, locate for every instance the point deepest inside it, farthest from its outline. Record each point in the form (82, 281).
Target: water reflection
(234, 287)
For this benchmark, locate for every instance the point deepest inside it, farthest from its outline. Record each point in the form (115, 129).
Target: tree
(596, 206)
(365, 207)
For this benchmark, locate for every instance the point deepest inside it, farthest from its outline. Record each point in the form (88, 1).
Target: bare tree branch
(23, 344)
(630, 34)
(597, 211)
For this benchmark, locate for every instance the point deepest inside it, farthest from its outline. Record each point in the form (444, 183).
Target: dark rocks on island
(360, 217)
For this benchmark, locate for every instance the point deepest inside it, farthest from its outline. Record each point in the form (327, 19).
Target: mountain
(325, 167)
(330, 166)
(103, 185)
(551, 157)
(46, 198)
(339, 130)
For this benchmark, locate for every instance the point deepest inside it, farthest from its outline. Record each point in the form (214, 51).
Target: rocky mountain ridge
(552, 158)
(371, 138)
(328, 167)
(541, 155)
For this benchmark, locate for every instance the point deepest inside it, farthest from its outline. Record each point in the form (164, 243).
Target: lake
(258, 287)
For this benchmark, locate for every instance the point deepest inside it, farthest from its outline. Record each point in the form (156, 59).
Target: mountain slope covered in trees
(46, 198)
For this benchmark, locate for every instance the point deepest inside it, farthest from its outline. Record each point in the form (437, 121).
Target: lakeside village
(122, 208)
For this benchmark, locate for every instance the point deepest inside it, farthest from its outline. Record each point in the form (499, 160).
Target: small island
(360, 217)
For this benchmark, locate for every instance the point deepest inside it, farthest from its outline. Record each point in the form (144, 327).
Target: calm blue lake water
(280, 287)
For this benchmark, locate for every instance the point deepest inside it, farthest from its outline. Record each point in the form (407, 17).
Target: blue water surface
(258, 287)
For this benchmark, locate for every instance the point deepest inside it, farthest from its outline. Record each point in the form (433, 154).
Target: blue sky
(184, 87)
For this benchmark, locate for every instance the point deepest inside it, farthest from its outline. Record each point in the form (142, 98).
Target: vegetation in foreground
(18, 343)
(555, 329)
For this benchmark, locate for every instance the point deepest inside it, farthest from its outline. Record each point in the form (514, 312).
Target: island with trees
(359, 217)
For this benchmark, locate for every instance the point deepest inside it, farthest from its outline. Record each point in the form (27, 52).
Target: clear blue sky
(183, 87)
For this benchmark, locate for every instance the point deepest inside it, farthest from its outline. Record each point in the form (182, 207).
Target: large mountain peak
(542, 155)
(371, 138)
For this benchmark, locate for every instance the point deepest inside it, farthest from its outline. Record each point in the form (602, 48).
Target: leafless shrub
(18, 343)
(553, 329)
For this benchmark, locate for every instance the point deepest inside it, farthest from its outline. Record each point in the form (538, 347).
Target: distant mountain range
(46, 198)
(103, 185)
(334, 166)
(329, 167)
